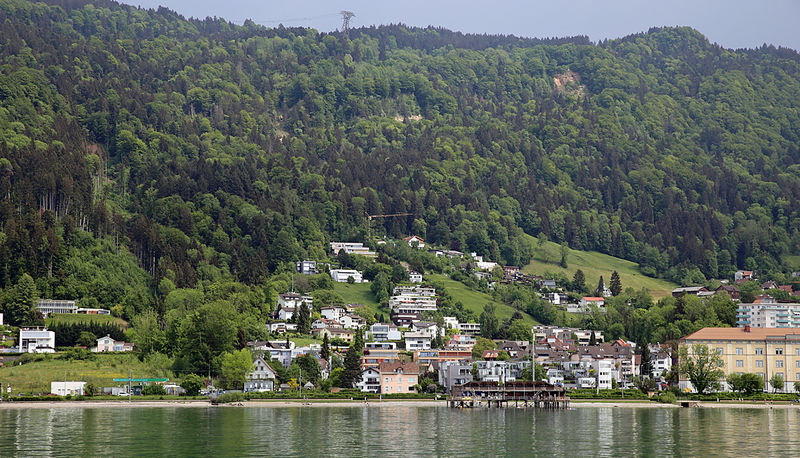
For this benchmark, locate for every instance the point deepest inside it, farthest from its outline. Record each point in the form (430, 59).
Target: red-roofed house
(420, 243)
(596, 301)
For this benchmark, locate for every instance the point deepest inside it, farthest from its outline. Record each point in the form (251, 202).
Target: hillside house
(261, 377)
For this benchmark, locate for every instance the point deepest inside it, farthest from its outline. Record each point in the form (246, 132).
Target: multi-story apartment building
(761, 351)
(768, 315)
(409, 299)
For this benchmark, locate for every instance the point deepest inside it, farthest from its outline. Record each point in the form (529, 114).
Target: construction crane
(388, 215)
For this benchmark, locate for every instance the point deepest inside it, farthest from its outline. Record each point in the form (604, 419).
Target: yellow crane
(388, 215)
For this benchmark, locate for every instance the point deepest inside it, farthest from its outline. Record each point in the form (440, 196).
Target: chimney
(747, 328)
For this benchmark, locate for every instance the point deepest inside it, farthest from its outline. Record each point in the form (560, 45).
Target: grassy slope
(593, 265)
(793, 261)
(81, 318)
(360, 293)
(475, 300)
(35, 377)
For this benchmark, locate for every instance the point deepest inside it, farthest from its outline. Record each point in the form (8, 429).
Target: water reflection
(371, 431)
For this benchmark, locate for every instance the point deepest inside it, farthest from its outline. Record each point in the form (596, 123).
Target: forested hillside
(138, 146)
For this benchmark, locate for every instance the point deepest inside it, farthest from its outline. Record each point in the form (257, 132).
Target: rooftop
(742, 334)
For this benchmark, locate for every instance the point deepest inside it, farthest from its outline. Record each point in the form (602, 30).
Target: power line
(278, 21)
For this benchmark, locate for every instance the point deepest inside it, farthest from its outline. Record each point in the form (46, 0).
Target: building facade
(761, 351)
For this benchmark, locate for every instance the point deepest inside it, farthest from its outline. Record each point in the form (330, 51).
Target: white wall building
(306, 267)
(380, 332)
(417, 341)
(415, 277)
(48, 306)
(67, 388)
(351, 248)
(602, 372)
(409, 299)
(768, 315)
(37, 341)
(341, 275)
(334, 312)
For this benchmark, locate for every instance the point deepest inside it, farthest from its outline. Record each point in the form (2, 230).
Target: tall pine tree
(579, 282)
(601, 286)
(325, 353)
(616, 284)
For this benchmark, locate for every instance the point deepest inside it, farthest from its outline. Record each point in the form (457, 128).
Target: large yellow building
(761, 351)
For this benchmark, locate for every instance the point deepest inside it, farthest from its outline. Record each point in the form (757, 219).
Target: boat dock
(510, 394)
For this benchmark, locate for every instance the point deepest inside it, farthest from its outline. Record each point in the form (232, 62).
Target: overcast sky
(731, 23)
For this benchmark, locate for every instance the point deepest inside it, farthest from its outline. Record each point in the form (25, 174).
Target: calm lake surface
(393, 431)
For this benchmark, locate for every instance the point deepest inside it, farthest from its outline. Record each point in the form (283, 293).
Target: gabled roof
(407, 368)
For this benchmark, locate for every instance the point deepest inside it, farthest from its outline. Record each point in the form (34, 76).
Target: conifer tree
(601, 286)
(325, 353)
(616, 284)
(579, 281)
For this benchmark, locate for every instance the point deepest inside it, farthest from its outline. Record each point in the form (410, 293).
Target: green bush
(667, 397)
(606, 394)
(154, 389)
(226, 398)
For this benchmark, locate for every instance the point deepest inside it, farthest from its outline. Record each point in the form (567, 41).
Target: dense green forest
(142, 153)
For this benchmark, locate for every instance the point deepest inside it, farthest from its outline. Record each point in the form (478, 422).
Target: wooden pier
(519, 394)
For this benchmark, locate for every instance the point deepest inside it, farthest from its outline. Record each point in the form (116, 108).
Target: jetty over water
(510, 394)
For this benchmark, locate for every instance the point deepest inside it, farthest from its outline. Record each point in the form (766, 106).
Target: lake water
(393, 431)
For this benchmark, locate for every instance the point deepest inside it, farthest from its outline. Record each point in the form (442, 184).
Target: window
(779, 351)
(760, 374)
(779, 363)
(411, 380)
(387, 379)
(739, 351)
(399, 379)
(759, 363)
(797, 364)
(719, 350)
(739, 363)
(797, 351)
(780, 374)
(759, 351)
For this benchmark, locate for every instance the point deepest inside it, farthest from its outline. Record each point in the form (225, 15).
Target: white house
(417, 341)
(589, 301)
(48, 306)
(370, 381)
(450, 322)
(351, 248)
(294, 300)
(602, 373)
(307, 267)
(415, 241)
(351, 321)
(67, 388)
(380, 332)
(341, 275)
(415, 277)
(470, 329)
(261, 377)
(286, 313)
(485, 265)
(37, 340)
(334, 312)
(106, 343)
(282, 327)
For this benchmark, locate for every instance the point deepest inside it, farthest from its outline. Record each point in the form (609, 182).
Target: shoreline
(285, 403)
